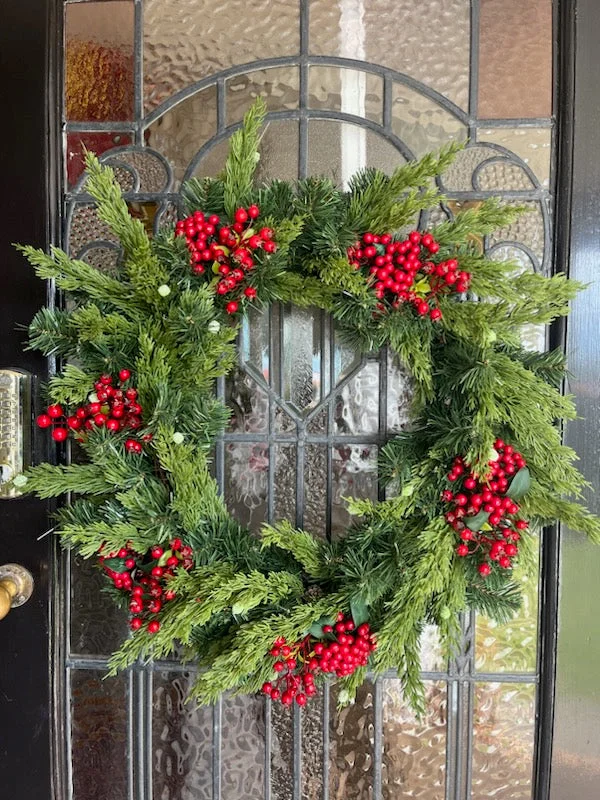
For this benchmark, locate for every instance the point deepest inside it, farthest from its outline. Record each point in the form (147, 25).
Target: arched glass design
(348, 83)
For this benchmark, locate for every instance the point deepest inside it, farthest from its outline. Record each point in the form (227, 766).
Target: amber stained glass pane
(515, 59)
(99, 736)
(99, 71)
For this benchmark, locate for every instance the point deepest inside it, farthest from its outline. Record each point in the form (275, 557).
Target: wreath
(479, 468)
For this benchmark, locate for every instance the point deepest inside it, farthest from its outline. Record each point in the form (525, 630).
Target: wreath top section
(481, 459)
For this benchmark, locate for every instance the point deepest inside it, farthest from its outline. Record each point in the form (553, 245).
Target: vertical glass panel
(312, 749)
(99, 82)
(354, 471)
(533, 145)
(348, 90)
(98, 143)
(282, 752)
(422, 123)
(99, 733)
(414, 750)
(345, 358)
(254, 341)
(182, 741)
(428, 42)
(279, 86)
(432, 655)
(315, 488)
(243, 748)
(338, 150)
(356, 408)
(185, 40)
(284, 482)
(98, 625)
(182, 130)
(399, 395)
(246, 482)
(351, 734)
(503, 740)
(511, 647)
(301, 357)
(249, 404)
(515, 58)
(278, 154)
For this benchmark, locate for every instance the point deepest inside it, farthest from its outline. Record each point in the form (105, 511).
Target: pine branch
(243, 158)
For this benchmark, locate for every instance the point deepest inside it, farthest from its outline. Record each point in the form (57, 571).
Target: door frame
(30, 211)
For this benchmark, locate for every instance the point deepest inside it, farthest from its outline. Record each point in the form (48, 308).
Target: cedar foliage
(472, 380)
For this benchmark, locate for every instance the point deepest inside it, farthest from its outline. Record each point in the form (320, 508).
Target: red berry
(231, 307)
(135, 623)
(301, 699)
(484, 569)
(250, 292)
(241, 215)
(124, 375)
(60, 434)
(55, 411)
(154, 626)
(44, 420)
(113, 425)
(253, 211)
(435, 314)
(462, 550)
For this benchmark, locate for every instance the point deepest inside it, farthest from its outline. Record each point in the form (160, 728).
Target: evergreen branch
(243, 158)
(307, 550)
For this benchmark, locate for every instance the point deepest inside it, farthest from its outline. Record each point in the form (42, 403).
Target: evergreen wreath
(480, 463)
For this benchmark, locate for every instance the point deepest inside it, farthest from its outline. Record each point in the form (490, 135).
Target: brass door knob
(16, 586)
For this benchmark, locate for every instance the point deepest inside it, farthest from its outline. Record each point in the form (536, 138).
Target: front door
(157, 87)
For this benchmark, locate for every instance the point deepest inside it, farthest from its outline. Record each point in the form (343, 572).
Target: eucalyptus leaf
(519, 486)
(359, 611)
(477, 522)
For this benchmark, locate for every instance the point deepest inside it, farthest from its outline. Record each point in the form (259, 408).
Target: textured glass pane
(351, 732)
(414, 750)
(301, 351)
(85, 228)
(533, 145)
(515, 58)
(99, 753)
(501, 175)
(98, 143)
(527, 229)
(278, 154)
(318, 423)
(99, 61)
(284, 500)
(312, 749)
(338, 150)
(182, 741)
(254, 342)
(356, 408)
(354, 475)
(422, 124)
(279, 86)
(399, 396)
(459, 175)
(246, 482)
(345, 359)
(533, 337)
(249, 404)
(432, 656)
(503, 740)
(185, 40)
(315, 488)
(148, 170)
(511, 647)
(182, 130)
(348, 90)
(98, 626)
(243, 748)
(282, 753)
(429, 42)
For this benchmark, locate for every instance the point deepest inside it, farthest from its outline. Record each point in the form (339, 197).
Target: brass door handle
(16, 587)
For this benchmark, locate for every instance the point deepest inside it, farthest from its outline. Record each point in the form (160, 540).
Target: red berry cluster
(402, 271)
(113, 407)
(145, 577)
(487, 500)
(226, 250)
(344, 649)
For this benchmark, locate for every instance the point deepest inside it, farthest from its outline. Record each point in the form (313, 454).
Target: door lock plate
(15, 428)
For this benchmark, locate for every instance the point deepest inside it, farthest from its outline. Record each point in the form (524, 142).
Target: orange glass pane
(99, 69)
(515, 59)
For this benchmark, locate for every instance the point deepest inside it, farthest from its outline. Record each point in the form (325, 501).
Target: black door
(53, 702)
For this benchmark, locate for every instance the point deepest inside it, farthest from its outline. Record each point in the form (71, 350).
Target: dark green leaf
(116, 564)
(475, 523)
(519, 486)
(316, 629)
(359, 611)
